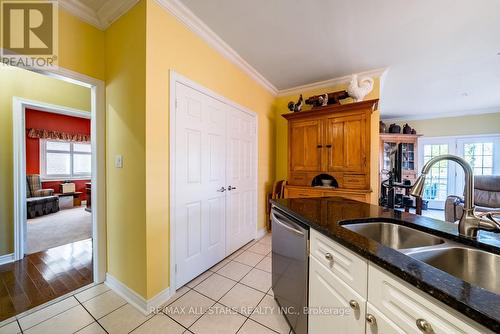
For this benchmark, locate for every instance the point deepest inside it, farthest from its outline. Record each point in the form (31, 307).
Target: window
(480, 157)
(68, 160)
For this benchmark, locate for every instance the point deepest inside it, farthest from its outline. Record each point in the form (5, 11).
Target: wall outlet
(119, 161)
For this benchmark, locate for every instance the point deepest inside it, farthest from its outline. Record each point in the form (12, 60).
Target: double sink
(472, 265)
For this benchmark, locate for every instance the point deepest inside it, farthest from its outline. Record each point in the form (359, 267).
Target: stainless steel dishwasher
(290, 270)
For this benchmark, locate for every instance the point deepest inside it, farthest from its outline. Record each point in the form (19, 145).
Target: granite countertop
(326, 214)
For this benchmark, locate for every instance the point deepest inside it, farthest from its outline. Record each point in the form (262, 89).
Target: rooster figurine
(296, 107)
(323, 100)
(359, 89)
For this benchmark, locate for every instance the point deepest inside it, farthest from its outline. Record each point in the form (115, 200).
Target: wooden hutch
(332, 140)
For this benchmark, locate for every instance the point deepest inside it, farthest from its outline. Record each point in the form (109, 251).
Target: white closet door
(242, 175)
(200, 171)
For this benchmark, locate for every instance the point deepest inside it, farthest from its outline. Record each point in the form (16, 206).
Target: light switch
(119, 161)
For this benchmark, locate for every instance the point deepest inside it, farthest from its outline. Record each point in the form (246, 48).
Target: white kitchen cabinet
(327, 293)
(380, 323)
(384, 304)
(406, 307)
(344, 263)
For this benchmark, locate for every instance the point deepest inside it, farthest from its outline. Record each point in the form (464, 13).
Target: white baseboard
(261, 232)
(133, 298)
(7, 258)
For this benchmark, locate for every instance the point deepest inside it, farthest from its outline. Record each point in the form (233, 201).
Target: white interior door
(200, 172)
(241, 179)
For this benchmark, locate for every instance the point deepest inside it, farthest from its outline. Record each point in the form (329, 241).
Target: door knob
(231, 188)
(221, 190)
(370, 318)
(424, 326)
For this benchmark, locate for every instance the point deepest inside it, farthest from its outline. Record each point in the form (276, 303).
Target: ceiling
(443, 56)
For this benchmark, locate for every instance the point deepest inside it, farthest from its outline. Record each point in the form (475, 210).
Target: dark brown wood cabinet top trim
(334, 108)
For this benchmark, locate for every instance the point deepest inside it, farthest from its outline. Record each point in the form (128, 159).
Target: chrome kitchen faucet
(471, 222)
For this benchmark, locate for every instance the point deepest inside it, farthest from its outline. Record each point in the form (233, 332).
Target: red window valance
(56, 135)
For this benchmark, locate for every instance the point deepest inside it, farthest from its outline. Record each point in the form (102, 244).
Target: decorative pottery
(358, 89)
(326, 183)
(413, 131)
(382, 127)
(394, 128)
(407, 129)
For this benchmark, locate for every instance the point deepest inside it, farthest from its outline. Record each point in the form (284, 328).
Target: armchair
(486, 198)
(39, 201)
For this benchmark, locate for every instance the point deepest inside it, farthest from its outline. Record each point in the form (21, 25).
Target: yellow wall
(81, 49)
(171, 46)
(81, 46)
(455, 126)
(281, 149)
(33, 86)
(126, 135)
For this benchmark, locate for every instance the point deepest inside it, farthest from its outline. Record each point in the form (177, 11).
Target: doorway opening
(48, 255)
(58, 178)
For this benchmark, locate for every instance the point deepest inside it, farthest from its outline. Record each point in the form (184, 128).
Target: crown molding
(330, 82)
(112, 10)
(195, 24)
(104, 17)
(81, 11)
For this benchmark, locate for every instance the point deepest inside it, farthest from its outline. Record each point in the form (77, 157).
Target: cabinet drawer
(404, 305)
(349, 195)
(345, 264)
(354, 181)
(299, 179)
(328, 293)
(382, 325)
(301, 193)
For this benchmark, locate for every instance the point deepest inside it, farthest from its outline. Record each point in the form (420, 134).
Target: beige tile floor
(232, 297)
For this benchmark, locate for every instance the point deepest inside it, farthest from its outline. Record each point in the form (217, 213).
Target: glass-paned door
(439, 182)
(482, 153)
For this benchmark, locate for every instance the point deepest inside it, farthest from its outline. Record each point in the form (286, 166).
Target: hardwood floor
(43, 276)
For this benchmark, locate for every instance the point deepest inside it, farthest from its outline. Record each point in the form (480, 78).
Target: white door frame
(97, 115)
(178, 78)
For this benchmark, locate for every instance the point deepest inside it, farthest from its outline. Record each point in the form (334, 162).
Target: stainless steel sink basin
(471, 265)
(394, 235)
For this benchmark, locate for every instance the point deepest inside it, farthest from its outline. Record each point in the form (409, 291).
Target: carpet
(57, 229)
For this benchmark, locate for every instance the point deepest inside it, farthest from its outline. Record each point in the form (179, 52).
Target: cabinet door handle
(329, 257)
(370, 318)
(231, 188)
(354, 305)
(329, 146)
(319, 146)
(424, 326)
(221, 190)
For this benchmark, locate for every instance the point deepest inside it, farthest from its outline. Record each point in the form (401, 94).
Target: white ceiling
(443, 55)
